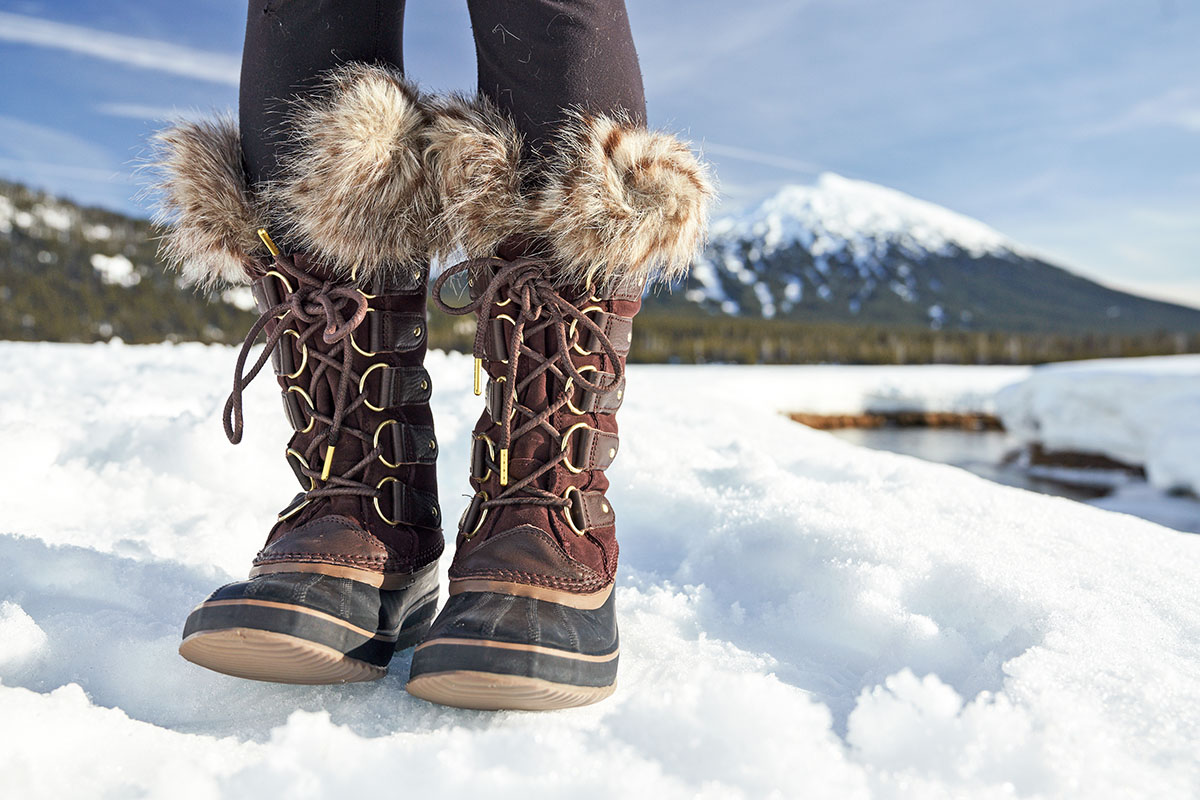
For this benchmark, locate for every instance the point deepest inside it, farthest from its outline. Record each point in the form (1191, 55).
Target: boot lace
(538, 307)
(336, 311)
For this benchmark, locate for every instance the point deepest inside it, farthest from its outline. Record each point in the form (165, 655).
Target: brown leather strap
(403, 443)
(596, 512)
(585, 402)
(298, 409)
(483, 458)
(396, 331)
(404, 505)
(268, 292)
(494, 397)
(390, 387)
(411, 280)
(495, 345)
(618, 329)
(589, 448)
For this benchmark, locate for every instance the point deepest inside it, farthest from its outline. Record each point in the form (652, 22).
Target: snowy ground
(800, 617)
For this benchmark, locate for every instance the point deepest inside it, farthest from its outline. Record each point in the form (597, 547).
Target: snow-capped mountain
(850, 250)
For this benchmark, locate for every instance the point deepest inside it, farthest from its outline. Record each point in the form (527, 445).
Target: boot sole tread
(488, 691)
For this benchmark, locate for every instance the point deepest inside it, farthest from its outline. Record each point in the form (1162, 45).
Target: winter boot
(348, 574)
(560, 250)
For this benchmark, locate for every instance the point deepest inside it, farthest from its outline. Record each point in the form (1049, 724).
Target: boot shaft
(385, 444)
(561, 248)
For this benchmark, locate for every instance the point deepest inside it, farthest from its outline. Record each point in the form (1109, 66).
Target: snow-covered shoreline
(1142, 411)
(800, 617)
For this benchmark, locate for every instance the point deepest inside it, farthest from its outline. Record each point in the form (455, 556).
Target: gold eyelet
(491, 446)
(513, 412)
(514, 324)
(354, 342)
(571, 331)
(362, 384)
(303, 354)
(312, 484)
(379, 430)
(569, 390)
(483, 496)
(566, 444)
(589, 286)
(286, 285)
(283, 278)
(567, 510)
(378, 510)
(312, 420)
(291, 513)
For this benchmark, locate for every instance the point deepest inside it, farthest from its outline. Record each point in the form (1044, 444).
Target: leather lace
(538, 307)
(336, 310)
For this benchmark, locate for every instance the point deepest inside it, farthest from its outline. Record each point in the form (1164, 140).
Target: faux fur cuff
(205, 207)
(613, 200)
(353, 193)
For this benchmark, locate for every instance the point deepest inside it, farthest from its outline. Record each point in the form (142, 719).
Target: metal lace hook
(268, 241)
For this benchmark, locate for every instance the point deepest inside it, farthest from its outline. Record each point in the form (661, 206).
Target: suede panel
(407, 547)
(592, 557)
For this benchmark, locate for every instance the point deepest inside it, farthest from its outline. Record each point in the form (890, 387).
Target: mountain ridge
(75, 273)
(852, 251)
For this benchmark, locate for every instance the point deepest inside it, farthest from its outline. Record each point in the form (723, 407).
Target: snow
(800, 617)
(97, 233)
(8, 214)
(23, 639)
(239, 297)
(46, 216)
(117, 269)
(55, 217)
(1142, 411)
(838, 389)
(842, 223)
(839, 214)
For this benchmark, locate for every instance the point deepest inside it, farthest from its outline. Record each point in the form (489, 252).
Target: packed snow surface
(800, 617)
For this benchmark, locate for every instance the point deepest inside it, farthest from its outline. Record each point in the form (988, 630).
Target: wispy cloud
(758, 157)
(1177, 108)
(74, 171)
(131, 50)
(156, 113)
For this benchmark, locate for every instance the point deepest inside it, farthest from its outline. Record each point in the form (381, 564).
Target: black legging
(535, 58)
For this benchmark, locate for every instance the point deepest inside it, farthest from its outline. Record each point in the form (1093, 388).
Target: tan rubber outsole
(277, 657)
(488, 691)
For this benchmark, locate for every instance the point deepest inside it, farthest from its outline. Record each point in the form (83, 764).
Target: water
(986, 453)
(989, 455)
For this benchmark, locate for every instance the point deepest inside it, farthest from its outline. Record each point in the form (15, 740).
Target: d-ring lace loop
(314, 305)
(538, 305)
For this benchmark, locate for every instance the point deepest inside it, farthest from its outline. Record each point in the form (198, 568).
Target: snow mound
(1142, 411)
(21, 640)
(839, 214)
(799, 617)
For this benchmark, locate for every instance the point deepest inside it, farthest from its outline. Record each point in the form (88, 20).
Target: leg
(289, 45)
(561, 241)
(348, 573)
(538, 57)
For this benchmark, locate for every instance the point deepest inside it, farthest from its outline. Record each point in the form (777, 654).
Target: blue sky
(1073, 127)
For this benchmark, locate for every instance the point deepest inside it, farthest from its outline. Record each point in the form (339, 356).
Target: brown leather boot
(348, 574)
(556, 278)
